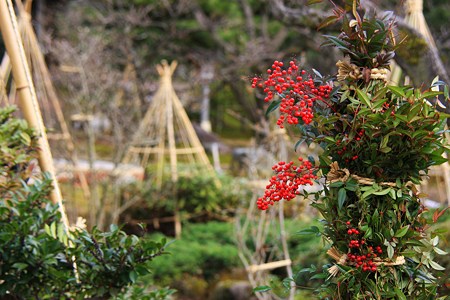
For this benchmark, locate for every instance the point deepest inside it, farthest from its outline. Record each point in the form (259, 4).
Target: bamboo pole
(269, 266)
(27, 96)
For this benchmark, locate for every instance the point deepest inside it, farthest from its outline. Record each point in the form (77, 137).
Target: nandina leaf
(317, 73)
(384, 141)
(299, 142)
(437, 159)
(368, 192)
(342, 196)
(390, 251)
(414, 111)
(439, 251)
(402, 231)
(399, 91)
(273, 106)
(364, 98)
(400, 294)
(430, 94)
(313, 230)
(336, 184)
(328, 21)
(382, 192)
(386, 149)
(436, 266)
(368, 234)
(319, 276)
(438, 214)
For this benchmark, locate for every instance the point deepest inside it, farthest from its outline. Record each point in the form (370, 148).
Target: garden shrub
(37, 255)
(206, 256)
(207, 251)
(199, 193)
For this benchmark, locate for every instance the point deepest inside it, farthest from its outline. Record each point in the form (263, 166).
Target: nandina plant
(377, 140)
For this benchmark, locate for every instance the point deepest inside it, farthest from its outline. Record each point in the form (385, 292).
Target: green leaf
(133, 276)
(436, 266)
(430, 94)
(368, 234)
(382, 192)
(20, 266)
(47, 229)
(399, 91)
(384, 141)
(313, 230)
(400, 294)
(390, 251)
(319, 276)
(262, 289)
(367, 193)
(336, 184)
(25, 138)
(414, 111)
(53, 229)
(364, 98)
(386, 149)
(342, 196)
(439, 251)
(272, 106)
(402, 231)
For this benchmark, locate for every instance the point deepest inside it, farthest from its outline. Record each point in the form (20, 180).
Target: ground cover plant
(37, 255)
(207, 257)
(377, 140)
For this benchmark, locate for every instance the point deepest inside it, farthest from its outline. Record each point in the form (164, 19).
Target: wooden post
(27, 96)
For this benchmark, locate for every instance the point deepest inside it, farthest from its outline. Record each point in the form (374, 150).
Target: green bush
(205, 250)
(196, 194)
(37, 253)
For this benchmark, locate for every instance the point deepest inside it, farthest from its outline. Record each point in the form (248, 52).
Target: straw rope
(337, 174)
(341, 259)
(348, 70)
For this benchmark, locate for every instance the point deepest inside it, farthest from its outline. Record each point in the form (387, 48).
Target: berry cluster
(286, 181)
(386, 107)
(363, 261)
(346, 154)
(360, 256)
(297, 93)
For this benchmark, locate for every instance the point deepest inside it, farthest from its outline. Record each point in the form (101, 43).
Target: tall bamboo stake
(27, 96)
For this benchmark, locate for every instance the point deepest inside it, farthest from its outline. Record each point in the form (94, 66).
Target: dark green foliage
(205, 250)
(374, 51)
(17, 149)
(389, 135)
(37, 254)
(208, 250)
(198, 194)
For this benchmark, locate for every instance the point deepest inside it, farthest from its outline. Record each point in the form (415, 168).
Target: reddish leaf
(328, 21)
(437, 214)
